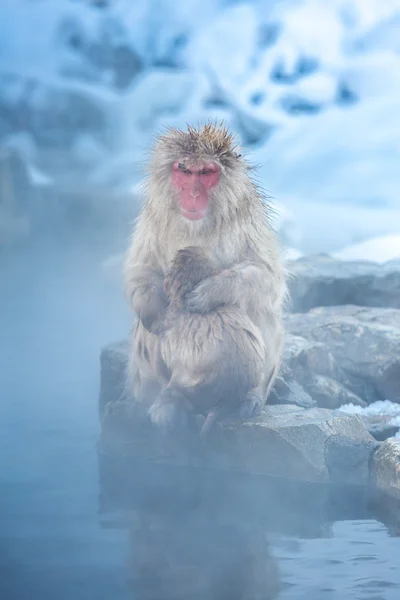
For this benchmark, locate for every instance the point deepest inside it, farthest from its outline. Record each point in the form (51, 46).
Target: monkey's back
(221, 350)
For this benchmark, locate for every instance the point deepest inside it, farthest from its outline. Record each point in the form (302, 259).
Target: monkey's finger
(168, 415)
(192, 302)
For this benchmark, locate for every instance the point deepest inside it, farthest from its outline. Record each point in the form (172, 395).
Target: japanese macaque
(214, 359)
(200, 193)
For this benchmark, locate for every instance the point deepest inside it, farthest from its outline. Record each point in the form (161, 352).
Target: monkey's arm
(247, 284)
(145, 289)
(144, 281)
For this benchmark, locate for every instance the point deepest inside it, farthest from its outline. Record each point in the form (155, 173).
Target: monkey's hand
(170, 411)
(227, 287)
(208, 295)
(150, 304)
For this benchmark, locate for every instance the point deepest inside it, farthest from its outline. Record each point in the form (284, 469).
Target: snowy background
(311, 86)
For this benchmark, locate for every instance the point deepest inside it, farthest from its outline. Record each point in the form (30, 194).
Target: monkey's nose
(195, 192)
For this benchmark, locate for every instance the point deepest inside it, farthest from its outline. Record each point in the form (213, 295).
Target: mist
(76, 524)
(312, 91)
(57, 310)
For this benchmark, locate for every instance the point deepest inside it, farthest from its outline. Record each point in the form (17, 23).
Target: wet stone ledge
(304, 443)
(316, 445)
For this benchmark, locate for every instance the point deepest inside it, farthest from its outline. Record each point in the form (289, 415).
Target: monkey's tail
(208, 424)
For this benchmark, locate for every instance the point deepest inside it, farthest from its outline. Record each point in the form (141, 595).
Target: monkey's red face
(194, 186)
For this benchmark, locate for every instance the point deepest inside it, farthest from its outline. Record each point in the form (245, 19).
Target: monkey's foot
(169, 412)
(251, 406)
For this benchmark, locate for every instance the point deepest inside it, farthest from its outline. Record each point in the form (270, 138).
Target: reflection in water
(203, 534)
(198, 533)
(157, 527)
(189, 539)
(194, 555)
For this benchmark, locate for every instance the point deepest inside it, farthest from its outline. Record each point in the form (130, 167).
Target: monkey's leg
(147, 391)
(146, 372)
(171, 409)
(255, 399)
(252, 404)
(269, 382)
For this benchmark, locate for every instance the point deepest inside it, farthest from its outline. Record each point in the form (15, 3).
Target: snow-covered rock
(155, 96)
(326, 281)
(381, 418)
(365, 345)
(312, 88)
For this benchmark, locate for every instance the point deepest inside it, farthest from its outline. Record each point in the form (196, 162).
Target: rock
(381, 418)
(56, 116)
(385, 468)
(293, 441)
(156, 95)
(380, 426)
(100, 53)
(325, 281)
(348, 459)
(113, 361)
(328, 393)
(314, 367)
(304, 356)
(296, 395)
(289, 391)
(285, 440)
(356, 346)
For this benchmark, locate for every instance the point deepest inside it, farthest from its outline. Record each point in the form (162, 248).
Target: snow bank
(383, 408)
(377, 249)
(313, 88)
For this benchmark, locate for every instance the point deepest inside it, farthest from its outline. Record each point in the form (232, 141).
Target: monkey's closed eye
(182, 168)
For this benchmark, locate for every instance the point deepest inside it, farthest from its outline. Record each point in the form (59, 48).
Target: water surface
(57, 309)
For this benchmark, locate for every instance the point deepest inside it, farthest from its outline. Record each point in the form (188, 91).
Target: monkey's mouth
(193, 215)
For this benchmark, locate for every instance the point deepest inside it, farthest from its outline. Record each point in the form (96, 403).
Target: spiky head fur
(233, 199)
(196, 145)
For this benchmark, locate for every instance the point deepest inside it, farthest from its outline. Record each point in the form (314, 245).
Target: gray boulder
(332, 357)
(385, 467)
(283, 440)
(325, 281)
(380, 426)
(357, 347)
(113, 361)
(313, 366)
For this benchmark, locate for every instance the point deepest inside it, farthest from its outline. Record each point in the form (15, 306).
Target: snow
(290, 254)
(380, 408)
(377, 249)
(312, 88)
(233, 35)
(158, 93)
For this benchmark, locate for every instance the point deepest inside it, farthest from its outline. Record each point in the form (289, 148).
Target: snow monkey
(200, 193)
(214, 359)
